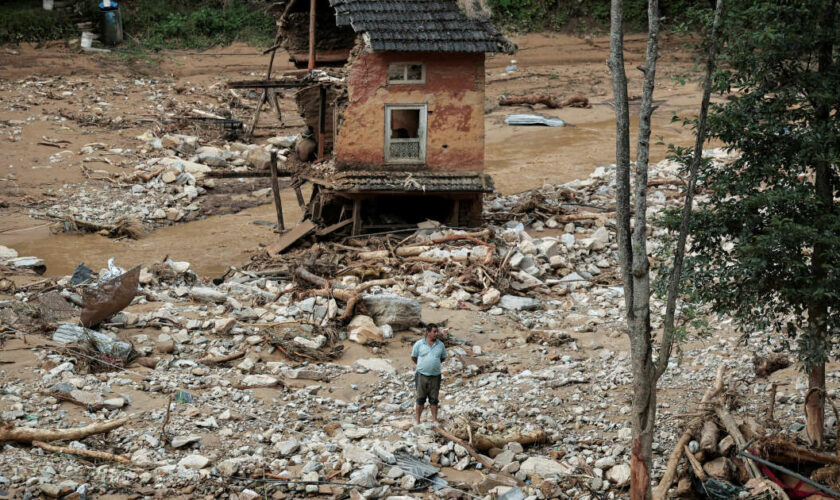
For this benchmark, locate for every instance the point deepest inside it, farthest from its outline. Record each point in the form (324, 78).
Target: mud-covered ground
(73, 123)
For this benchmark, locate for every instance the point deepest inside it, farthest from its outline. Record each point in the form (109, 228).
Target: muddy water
(518, 158)
(528, 157)
(211, 245)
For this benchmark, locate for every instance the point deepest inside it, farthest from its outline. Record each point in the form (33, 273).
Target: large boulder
(390, 309)
(258, 158)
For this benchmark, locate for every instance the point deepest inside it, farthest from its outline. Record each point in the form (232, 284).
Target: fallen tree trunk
(99, 455)
(583, 216)
(412, 251)
(516, 100)
(547, 100)
(484, 443)
(9, 432)
(486, 462)
(372, 283)
(374, 255)
(210, 360)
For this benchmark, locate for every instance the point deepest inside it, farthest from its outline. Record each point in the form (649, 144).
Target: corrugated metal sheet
(419, 25)
(534, 120)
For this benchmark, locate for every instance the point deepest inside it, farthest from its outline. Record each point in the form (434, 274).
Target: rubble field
(244, 375)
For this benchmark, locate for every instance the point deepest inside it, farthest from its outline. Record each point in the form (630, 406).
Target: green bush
(530, 15)
(198, 24)
(19, 22)
(156, 24)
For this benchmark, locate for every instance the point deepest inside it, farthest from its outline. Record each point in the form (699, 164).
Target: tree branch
(694, 170)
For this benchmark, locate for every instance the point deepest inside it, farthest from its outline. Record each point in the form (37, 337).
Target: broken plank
(335, 227)
(266, 84)
(289, 238)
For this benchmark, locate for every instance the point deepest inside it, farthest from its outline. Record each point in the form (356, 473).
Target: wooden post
(299, 195)
(264, 98)
(322, 120)
(312, 34)
(357, 217)
(275, 189)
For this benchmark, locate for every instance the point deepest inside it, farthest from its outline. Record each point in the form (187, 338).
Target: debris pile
(749, 457)
(290, 377)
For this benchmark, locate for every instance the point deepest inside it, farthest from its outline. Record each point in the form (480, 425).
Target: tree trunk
(632, 247)
(622, 149)
(815, 340)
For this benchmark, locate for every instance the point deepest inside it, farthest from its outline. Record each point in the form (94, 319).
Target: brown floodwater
(518, 158)
(211, 245)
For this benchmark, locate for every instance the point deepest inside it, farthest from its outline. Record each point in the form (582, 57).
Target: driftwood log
(583, 216)
(709, 436)
(485, 461)
(9, 432)
(667, 480)
(211, 360)
(98, 455)
(732, 428)
(483, 442)
(547, 100)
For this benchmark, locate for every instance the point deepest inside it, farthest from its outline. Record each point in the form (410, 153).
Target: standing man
(427, 354)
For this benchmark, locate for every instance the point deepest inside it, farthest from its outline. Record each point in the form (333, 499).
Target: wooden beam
(312, 5)
(322, 119)
(335, 227)
(299, 195)
(266, 84)
(357, 217)
(275, 189)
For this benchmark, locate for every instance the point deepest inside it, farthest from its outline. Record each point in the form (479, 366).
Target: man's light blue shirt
(428, 356)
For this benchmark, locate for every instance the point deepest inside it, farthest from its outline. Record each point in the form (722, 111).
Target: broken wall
(453, 92)
(328, 37)
(308, 101)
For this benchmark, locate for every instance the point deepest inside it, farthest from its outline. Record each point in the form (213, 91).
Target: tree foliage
(767, 243)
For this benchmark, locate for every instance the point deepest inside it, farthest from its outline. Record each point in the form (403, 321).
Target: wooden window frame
(422, 132)
(406, 81)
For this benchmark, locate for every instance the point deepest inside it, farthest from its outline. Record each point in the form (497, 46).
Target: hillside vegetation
(197, 24)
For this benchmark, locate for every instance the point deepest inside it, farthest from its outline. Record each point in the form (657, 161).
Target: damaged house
(397, 114)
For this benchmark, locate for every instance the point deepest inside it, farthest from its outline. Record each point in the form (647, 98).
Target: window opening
(405, 139)
(403, 73)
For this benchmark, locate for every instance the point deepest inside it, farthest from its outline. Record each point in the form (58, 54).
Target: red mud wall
(453, 93)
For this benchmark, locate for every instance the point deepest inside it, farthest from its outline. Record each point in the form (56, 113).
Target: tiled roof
(419, 25)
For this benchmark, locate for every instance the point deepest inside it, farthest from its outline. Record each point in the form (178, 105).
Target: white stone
(316, 343)
(377, 365)
(259, 381)
(224, 325)
(619, 475)
(206, 294)
(114, 403)
(194, 462)
(543, 467)
(362, 330)
(491, 297)
(7, 253)
(514, 303)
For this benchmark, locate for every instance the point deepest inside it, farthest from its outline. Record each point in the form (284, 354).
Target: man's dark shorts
(428, 387)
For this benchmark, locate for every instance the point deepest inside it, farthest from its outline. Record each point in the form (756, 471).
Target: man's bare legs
(418, 412)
